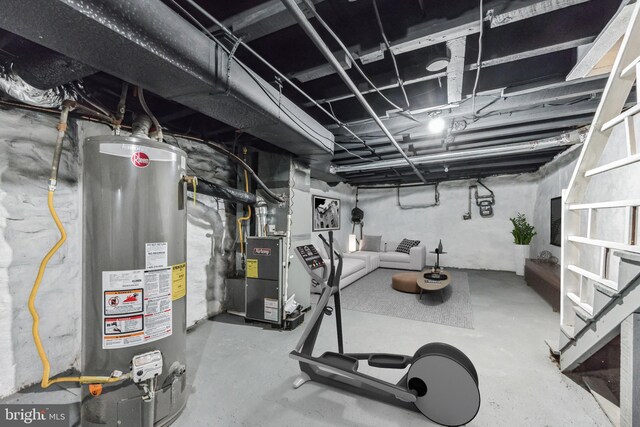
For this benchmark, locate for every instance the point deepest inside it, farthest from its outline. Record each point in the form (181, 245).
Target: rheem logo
(140, 159)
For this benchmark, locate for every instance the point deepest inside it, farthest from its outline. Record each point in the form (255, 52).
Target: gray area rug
(373, 294)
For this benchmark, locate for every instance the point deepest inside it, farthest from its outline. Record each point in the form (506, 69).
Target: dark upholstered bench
(544, 278)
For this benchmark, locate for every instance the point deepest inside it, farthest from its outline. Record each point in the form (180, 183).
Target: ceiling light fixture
(436, 125)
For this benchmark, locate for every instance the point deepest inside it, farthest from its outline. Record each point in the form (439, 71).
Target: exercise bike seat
(339, 361)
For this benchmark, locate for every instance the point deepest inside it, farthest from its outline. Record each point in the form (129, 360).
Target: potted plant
(522, 233)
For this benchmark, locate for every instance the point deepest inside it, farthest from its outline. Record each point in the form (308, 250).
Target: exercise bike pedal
(328, 311)
(340, 361)
(389, 361)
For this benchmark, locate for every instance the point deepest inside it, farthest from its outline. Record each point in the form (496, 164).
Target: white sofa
(387, 257)
(353, 268)
(360, 263)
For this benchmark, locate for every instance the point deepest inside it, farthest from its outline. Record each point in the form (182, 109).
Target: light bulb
(436, 125)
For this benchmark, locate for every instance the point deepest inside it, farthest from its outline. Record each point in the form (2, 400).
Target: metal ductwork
(146, 43)
(570, 138)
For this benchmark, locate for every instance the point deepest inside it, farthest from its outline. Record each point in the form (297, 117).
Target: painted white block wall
(479, 243)
(552, 179)
(27, 232)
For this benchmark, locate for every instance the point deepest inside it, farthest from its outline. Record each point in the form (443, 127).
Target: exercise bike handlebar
(335, 272)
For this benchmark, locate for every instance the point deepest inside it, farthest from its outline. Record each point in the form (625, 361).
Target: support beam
(470, 67)
(262, 20)
(455, 69)
(630, 371)
(440, 31)
(535, 9)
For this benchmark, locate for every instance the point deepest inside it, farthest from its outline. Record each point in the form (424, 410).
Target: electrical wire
(393, 56)
(344, 48)
(265, 62)
(479, 61)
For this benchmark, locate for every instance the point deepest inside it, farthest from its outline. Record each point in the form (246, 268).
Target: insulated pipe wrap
(222, 192)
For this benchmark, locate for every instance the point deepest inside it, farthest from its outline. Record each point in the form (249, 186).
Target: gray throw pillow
(370, 243)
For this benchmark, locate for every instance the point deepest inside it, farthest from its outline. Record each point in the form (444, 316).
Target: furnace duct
(14, 86)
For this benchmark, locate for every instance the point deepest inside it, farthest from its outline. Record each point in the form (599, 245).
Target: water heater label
(123, 325)
(155, 255)
(123, 302)
(179, 281)
(145, 293)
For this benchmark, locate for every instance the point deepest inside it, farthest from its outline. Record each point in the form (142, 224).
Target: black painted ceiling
(533, 54)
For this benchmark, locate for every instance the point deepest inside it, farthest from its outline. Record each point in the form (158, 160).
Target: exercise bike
(441, 381)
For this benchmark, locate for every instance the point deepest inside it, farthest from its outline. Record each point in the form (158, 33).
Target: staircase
(600, 252)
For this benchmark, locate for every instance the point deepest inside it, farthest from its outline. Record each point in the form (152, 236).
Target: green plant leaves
(522, 231)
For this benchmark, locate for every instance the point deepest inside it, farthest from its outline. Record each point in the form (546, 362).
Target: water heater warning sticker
(123, 325)
(179, 281)
(148, 294)
(123, 302)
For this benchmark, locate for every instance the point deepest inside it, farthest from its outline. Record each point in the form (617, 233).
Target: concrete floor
(241, 375)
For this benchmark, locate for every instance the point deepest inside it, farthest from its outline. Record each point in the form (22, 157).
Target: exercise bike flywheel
(446, 384)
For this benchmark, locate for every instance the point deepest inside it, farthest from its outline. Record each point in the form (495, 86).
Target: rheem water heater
(134, 296)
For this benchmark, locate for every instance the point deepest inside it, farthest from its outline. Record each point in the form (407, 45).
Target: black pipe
(222, 192)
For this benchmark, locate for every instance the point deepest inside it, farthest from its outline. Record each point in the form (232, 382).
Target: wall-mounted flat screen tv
(556, 221)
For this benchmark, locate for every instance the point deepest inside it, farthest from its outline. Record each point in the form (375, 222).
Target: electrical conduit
(46, 367)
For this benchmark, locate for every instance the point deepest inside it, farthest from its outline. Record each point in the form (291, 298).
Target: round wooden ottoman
(406, 282)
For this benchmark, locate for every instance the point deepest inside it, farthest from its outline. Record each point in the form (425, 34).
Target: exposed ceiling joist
(418, 37)
(455, 69)
(531, 10)
(470, 67)
(262, 20)
(440, 31)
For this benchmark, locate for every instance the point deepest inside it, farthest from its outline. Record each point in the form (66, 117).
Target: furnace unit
(265, 287)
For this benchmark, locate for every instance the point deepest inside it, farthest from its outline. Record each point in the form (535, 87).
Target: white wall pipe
(570, 138)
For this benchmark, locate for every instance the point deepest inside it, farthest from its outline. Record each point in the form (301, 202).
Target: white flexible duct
(13, 85)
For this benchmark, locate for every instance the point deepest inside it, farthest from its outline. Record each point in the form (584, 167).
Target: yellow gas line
(46, 367)
(248, 216)
(244, 218)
